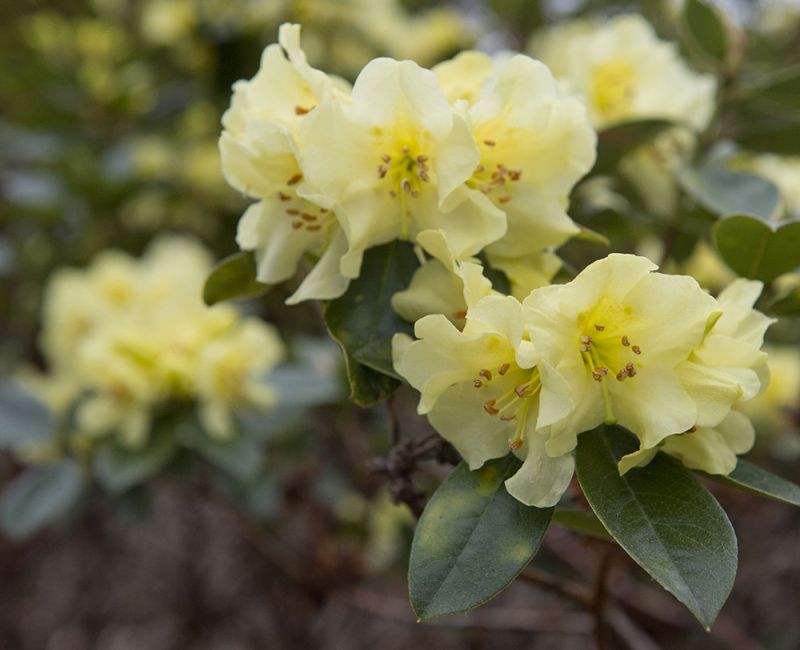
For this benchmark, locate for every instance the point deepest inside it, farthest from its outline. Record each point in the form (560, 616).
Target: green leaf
(663, 518)
(581, 521)
(233, 277)
(617, 141)
(752, 478)
(363, 322)
(368, 386)
(781, 88)
(118, 469)
(756, 249)
(770, 134)
(472, 540)
(38, 497)
(23, 418)
(724, 191)
(704, 31)
(786, 305)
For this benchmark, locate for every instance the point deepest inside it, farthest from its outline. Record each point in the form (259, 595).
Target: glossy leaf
(23, 418)
(756, 249)
(38, 497)
(472, 540)
(233, 277)
(724, 191)
(362, 321)
(581, 521)
(367, 386)
(704, 31)
(663, 518)
(613, 143)
(752, 478)
(119, 469)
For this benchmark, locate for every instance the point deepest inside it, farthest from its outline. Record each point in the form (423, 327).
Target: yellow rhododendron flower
(483, 390)
(259, 158)
(625, 72)
(616, 335)
(535, 144)
(727, 369)
(132, 336)
(393, 161)
(728, 365)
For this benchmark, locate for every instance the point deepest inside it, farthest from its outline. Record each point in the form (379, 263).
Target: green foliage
(770, 134)
(472, 540)
(363, 322)
(780, 89)
(704, 32)
(724, 191)
(617, 141)
(757, 249)
(747, 476)
(663, 518)
(23, 419)
(233, 277)
(38, 497)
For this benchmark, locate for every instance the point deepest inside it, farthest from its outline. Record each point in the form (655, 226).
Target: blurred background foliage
(108, 136)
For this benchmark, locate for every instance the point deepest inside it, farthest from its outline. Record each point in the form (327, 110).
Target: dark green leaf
(233, 277)
(758, 250)
(704, 31)
(663, 518)
(759, 481)
(771, 134)
(616, 141)
(724, 191)
(786, 305)
(363, 323)
(581, 521)
(23, 418)
(118, 469)
(368, 386)
(472, 540)
(38, 497)
(781, 88)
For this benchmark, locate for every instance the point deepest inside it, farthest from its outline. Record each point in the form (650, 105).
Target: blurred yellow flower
(132, 336)
(625, 72)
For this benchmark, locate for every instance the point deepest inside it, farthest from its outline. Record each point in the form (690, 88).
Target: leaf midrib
(697, 607)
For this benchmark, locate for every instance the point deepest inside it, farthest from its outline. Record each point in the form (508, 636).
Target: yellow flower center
(492, 176)
(405, 172)
(613, 86)
(514, 403)
(606, 350)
